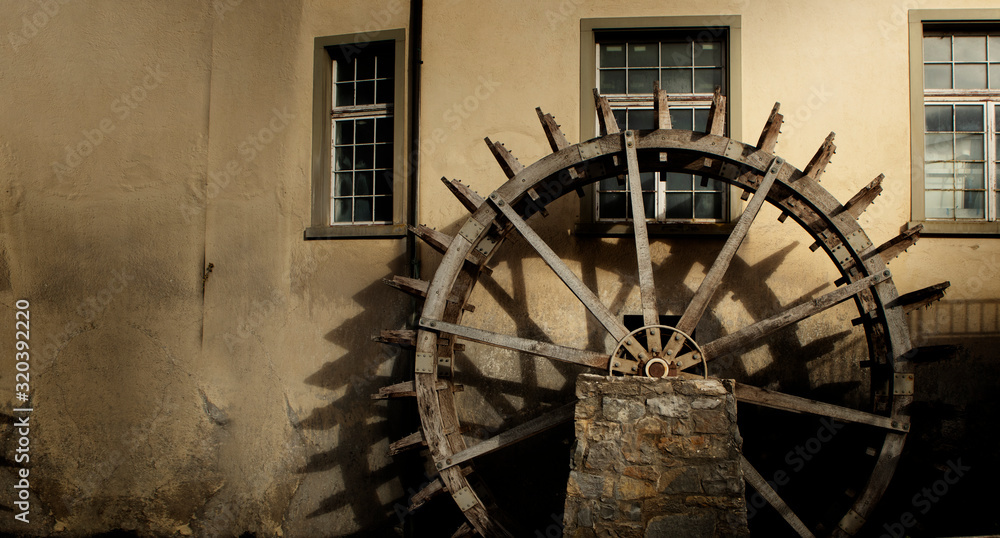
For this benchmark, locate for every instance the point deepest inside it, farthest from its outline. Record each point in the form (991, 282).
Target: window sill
(359, 231)
(613, 229)
(955, 228)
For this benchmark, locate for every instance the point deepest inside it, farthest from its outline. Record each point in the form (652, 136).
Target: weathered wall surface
(141, 142)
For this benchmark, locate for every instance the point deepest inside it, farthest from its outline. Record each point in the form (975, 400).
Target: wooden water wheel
(657, 349)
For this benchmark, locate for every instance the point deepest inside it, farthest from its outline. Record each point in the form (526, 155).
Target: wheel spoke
(751, 334)
(592, 359)
(696, 308)
(797, 404)
(514, 435)
(758, 483)
(647, 288)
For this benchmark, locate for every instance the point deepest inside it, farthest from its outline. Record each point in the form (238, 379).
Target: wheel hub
(649, 351)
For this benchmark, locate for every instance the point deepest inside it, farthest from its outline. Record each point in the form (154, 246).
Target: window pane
(363, 209)
(649, 204)
(701, 119)
(937, 147)
(613, 81)
(971, 205)
(383, 182)
(383, 208)
(937, 76)
(705, 80)
(345, 70)
(679, 205)
(969, 176)
(995, 76)
(643, 55)
(647, 180)
(365, 131)
(383, 156)
(939, 175)
(364, 157)
(676, 80)
(994, 43)
(343, 159)
(969, 118)
(344, 185)
(612, 205)
(383, 130)
(675, 54)
(344, 132)
(682, 118)
(363, 183)
(612, 55)
(939, 204)
(970, 48)
(937, 48)
(970, 76)
(345, 94)
(365, 93)
(968, 147)
(938, 118)
(641, 119)
(641, 80)
(612, 184)
(366, 67)
(677, 182)
(385, 90)
(713, 185)
(708, 206)
(709, 54)
(621, 117)
(342, 210)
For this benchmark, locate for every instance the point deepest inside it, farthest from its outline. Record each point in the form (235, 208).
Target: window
(955, 65)
(359, 186)
(689, 60)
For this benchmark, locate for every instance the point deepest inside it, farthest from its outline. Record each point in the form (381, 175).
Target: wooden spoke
(418, 288)
(696, 308)
(797, 404)
(542, 349)
(757, 481)
(717, 114)
(647, 289)
(769, 135)
(747, 336)
(817, 165)
(609, 125)
(582, 292)
(514, 435)
(661, 106)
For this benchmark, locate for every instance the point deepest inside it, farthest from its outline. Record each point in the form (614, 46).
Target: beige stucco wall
(163, 405)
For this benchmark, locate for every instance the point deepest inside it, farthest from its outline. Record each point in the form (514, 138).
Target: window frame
(321, 225)
(919, 97)
(589, 29)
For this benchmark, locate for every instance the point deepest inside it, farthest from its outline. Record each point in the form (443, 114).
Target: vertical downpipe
(416, 40)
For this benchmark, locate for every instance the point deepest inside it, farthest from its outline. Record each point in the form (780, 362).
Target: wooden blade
(769, 135)
(609, 125)
(508, 163)
(922, 297)
(897, 245)
(592, 359)
(717, 114)
(797, 404)
(864, 198)
(411, 441)
(696, 308)
(406, 389)
(430, 490)
(661, 106)
(514, 435)
(557, 140)
(468, 197)
(747, 336)
(758, 483)
(418, 288)
(647, 288)
(817, 165)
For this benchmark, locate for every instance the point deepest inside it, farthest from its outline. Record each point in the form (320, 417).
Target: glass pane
(641, 80)
(612, 81)
(971, 205)
(383, 182)
(643, 55)
(641, 119)
(647, 180)
(939, 204)
(383, 156)
(612, 184)
(705, 80)
(937, 76)
(969, 147)
(342, 210)
(709, 54)
(344, 184)
(383, 208)
(345, 94)
(677, 182)
(969, 118)
(363, 183)
(345, 132)
(612, 55)
(649, 205)
(937, 147)
(386, 90)
(970, 48)
(939, 176)
(383, 130)
(679, 205)
(365, 93)
(970, 76)
(708, 206)
(994, 43)
(365, 131)
(937, 118)
(345, 70)
(612, 205)
(621, 117)
(682, 118)
(675, 54)
(384, 66)
(969, 176)
(676, 80)
(937, 48)
(712, 185)
(995, 76)
(362, 209)
(364, 157)
(343, 158)
(701, 119)
(366, 67)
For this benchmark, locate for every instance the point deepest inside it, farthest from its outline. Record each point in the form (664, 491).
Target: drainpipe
(413, 155)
